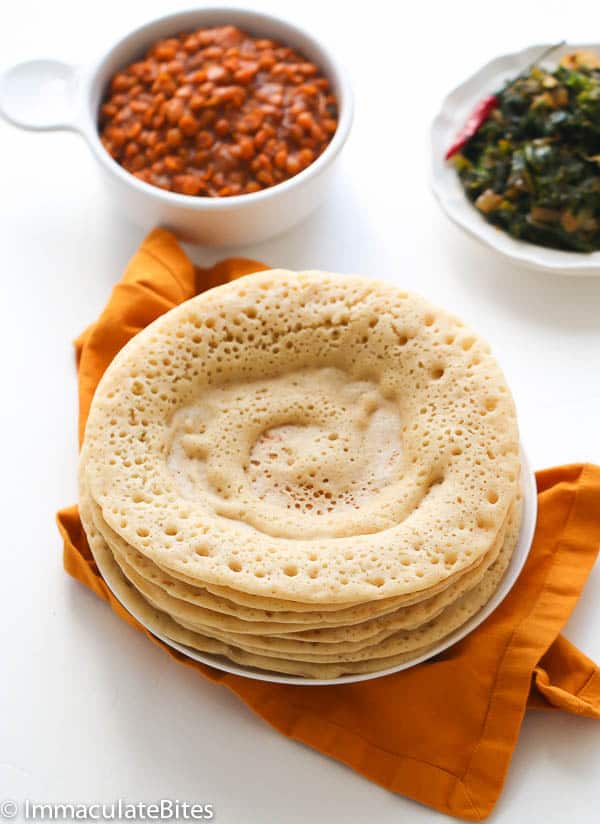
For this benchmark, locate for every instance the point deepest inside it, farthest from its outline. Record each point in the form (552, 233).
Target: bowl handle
(42, 95)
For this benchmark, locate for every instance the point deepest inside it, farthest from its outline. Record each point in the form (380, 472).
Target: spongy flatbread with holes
(194, 611)
(177, 448)
(323, 624)
(160, 623)
(385, 643)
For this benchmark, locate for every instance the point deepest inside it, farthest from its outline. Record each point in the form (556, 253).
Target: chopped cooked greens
(533, 167)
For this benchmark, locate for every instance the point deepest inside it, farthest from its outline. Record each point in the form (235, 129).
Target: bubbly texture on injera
(306, 473)
(306, 436)
(163, 625)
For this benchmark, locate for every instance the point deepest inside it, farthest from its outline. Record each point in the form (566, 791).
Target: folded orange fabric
(443, 732)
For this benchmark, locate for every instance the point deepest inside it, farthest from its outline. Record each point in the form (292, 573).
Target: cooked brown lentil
(216, 113)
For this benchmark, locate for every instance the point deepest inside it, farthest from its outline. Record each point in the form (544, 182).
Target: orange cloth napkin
(442, 732)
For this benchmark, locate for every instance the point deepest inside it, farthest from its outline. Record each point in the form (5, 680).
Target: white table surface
(89, 710)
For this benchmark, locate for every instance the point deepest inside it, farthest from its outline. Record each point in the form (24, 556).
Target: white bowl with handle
(47, 95)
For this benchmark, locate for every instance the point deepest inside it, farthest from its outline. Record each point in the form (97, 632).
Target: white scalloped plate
(447, 187)
(515, 566)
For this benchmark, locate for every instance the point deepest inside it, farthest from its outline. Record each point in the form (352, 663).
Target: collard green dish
(533, 166)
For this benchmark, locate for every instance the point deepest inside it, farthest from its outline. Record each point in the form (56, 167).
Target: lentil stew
(216, 113)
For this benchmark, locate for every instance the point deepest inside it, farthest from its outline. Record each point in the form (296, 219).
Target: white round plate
(512, 573)
(448, 189)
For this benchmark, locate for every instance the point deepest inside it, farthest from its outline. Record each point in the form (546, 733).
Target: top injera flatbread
(308, 437)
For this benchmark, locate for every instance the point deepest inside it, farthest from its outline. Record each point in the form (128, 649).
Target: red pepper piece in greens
(476, 119)
(482, 110)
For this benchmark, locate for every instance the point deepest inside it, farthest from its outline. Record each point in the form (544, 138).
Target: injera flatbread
(361, 634)
(161, 624)
(243, 440)
(254, 620)
(381, 645)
